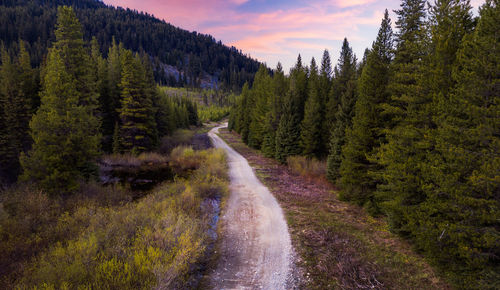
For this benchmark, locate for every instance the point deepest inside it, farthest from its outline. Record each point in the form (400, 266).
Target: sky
(277, 30)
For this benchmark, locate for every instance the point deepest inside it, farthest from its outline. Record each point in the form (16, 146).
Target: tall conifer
(344, 88)
(310, 138)
(262, 93)
(358, 171)
(64, 129)
(411, 118)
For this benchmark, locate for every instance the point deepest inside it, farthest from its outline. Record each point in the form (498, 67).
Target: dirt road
(256, 251)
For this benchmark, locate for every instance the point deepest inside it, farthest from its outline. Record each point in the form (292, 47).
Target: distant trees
(191, 54)
(411, 132)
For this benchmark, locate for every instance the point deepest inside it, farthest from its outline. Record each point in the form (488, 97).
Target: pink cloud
(276, 35)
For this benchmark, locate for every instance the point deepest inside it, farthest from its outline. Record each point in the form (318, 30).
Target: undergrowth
(99, 238)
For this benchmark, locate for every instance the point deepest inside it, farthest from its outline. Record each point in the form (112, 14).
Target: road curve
(255, 250)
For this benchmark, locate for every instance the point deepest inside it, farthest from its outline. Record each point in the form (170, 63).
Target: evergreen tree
(311, 125)
(16, 90)
(345, 87)
(111, 101)
(451, 20)
(288, 134)
(459, 221)
(243, 115)
(100, 73)
(64, 129)
(273, 116)
(136, 114)
(410, 115)
(298, 76)
(70, 45)
(262, 93)
(325, 82)
(358, 171)
(150, 96)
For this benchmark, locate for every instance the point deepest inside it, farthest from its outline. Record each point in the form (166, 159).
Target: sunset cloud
(278, 30)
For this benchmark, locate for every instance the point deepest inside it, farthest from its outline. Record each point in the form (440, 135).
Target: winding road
(256, 250)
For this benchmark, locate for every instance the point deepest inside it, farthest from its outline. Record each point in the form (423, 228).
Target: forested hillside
(411, 131)
(178, 57)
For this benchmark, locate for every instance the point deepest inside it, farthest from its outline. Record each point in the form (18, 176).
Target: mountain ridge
(199, 59)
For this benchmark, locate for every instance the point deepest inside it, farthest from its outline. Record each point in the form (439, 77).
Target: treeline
(193, 55)
(411, 132)
(56, 120)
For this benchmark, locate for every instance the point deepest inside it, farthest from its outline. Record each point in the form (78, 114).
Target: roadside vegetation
(106, 237)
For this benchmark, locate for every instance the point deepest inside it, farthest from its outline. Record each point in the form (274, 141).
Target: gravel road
(255, 250)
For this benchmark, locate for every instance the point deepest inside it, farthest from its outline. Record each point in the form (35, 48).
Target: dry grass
(99, 238)
(181, 137)
(308, 167)
(130, 160)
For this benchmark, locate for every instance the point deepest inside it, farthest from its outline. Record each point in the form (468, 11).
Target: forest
(178, 57)
(98, 187)
(411, 131)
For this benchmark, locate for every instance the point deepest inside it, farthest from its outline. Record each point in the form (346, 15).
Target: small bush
(180, 137)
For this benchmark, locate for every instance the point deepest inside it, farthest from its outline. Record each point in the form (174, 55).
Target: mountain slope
(179, 57)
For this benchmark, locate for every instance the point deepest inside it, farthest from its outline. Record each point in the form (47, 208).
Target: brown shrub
(311, 168)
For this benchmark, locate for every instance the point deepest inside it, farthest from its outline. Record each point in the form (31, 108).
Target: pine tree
(64, 129)
(325, 82)
(298, 76)
(344, 87)
(451, 20)
(279, 85)
(150, 96)
(15, 80)
(459, 219)
(137, 124)
(311, 125)
(243, 115)
(288, 134)
(112, 100)
(70, 45)
(29, 85)
(100, 73)
(457, 222)
(358, 171)
(410, 119)
(262, 93)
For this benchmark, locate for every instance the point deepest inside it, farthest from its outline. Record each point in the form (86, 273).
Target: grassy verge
(339, 245)
(100, 238)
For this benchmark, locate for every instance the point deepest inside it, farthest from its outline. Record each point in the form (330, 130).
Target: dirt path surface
(256, 250)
